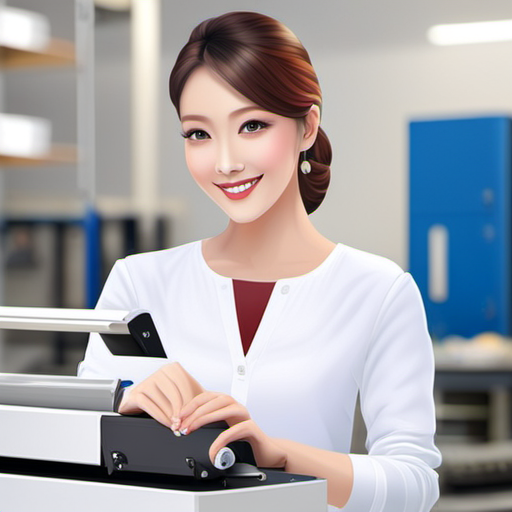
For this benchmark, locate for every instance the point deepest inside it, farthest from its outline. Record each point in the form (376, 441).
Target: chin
(242, 217)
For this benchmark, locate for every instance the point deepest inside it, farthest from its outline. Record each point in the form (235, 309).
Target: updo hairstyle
(265, 62)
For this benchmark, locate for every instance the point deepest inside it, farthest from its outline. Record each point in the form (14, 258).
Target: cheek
(199, 162)
(275, 151)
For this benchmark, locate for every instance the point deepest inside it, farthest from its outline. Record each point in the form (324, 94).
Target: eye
(195, 135)
(253, 126)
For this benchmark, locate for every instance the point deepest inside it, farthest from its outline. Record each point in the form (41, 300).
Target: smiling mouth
(240, 189)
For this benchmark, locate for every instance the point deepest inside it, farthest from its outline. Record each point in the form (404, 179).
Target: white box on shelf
(23, 29)
(24, 136)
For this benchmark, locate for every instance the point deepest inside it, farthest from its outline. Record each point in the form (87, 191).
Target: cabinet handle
(438, 263)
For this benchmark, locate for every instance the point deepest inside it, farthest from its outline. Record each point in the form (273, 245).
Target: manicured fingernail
(184, 431)
(177, 433)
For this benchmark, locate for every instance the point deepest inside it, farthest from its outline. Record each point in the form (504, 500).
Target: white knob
(224, 459)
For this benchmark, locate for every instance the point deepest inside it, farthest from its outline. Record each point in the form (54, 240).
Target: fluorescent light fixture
(114, 5)
(467, 33)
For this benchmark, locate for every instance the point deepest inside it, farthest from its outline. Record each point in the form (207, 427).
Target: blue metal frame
(92, 232)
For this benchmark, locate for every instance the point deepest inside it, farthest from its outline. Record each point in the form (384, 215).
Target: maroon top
(251, 298)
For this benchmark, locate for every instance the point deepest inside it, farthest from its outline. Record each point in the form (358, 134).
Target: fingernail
(177, 433)
(184, 431)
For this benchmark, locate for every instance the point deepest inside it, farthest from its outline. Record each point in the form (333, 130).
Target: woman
(269, 325)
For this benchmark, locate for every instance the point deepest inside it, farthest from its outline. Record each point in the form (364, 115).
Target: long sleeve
(397, 405)
(118, 293)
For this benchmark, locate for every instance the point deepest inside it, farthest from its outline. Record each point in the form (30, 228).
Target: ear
(311, 124)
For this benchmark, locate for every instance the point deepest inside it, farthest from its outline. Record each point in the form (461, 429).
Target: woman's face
(242, 156)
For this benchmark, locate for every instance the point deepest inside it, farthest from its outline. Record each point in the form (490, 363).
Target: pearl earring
(305, 166)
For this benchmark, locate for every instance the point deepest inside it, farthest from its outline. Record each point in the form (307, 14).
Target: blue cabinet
(460, 223)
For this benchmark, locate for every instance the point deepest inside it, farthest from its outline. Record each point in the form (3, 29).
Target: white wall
(369, 99)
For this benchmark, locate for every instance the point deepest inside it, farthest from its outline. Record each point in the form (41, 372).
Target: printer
(63, 446)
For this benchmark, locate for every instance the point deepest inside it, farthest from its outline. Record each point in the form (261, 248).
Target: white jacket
(354, 324)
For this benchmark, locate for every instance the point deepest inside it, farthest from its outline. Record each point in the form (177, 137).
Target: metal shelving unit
(58, 53)
(78, 55)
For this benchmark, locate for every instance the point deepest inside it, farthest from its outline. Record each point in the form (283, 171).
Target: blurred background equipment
(460, 256)
(26, 42)
(474, 423)
(461, 223)
(51, 241)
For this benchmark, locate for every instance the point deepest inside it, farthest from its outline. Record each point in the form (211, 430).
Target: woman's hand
(209, 407)
(162, 394)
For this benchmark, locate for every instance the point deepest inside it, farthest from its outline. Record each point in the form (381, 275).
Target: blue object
(92, 226)
(460, 223)
(126, 383)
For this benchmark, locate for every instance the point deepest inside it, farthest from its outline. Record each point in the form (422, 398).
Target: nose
(227, 162)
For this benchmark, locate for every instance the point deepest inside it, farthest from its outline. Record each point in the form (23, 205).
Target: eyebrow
(197, 117)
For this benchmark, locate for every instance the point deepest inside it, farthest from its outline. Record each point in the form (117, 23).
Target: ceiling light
(114, 5)
(467, 33)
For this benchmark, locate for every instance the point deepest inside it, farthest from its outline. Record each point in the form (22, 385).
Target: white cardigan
(354, 324)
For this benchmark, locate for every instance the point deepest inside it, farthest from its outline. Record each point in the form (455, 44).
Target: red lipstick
(245, 187)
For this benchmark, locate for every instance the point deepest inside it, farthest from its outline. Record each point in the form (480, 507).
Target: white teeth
(241, 188)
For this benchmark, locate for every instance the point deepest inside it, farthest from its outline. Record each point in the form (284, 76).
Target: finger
(193, 387)
(171, 390)
(160, 397)
(148, 405)
(214, 411)
(128, 403)
(188, 386)
(243, 431)
(152, 387)
(196, 402)
(153, 391)
(202, 404)
(217, 415)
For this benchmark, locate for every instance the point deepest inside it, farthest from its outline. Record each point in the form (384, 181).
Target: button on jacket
(355, 324)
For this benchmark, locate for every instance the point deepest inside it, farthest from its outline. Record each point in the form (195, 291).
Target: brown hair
(265, 62)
